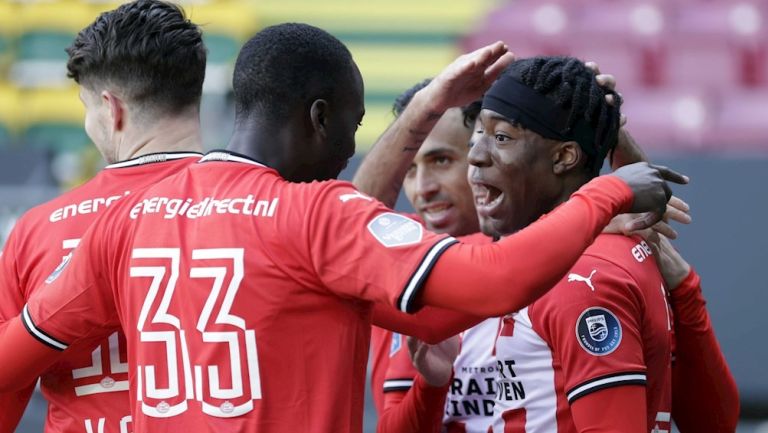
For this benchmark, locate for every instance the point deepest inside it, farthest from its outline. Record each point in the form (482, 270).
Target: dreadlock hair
(571, 85)
(469, 111)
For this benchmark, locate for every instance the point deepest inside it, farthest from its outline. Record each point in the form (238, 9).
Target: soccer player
(595, 353)
(572, 360)
(140, 69)
(437, 179)
(436, 185)
(245, 293)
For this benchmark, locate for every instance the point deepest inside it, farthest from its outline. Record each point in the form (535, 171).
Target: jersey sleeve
(76, 300)
(500, 274)
(14, 404)
(612, 410)
(704, 397)
(400, 372)
(361, 249)
(430, 324)
(417, 410)
(11, 292)
(592, 321)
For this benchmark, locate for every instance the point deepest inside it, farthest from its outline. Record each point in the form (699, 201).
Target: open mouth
(438, 214)
(487, 197)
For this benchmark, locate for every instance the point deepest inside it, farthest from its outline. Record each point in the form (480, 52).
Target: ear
(318, 114)
(566, 156)
(117, 110)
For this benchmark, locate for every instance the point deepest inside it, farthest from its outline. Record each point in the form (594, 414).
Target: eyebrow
(500, 118)
(440, 151)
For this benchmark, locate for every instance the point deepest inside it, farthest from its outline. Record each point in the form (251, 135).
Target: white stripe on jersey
(39, 334)
(226, 156)
(397, 384)
(154, 157)
(417, 279)
(601, 383)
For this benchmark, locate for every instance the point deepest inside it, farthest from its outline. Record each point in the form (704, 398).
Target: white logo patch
(586, 280)
(393, 230)
(357, 194)
(59, 269)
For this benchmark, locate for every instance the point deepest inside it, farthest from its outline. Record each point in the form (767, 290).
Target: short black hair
(571, 85)
(469, 111)
(147, 48)
(286, 65)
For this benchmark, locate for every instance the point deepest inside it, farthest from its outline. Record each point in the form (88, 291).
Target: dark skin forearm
(627, 151)
(383, 170)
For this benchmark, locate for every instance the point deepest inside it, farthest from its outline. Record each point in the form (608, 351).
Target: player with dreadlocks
(574, 360)
(595, 353)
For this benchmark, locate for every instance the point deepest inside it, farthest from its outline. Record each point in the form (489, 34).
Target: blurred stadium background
(694, 74)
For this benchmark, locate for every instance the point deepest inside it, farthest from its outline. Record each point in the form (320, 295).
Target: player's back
(243, 301)
(87, 389)
(606, 323)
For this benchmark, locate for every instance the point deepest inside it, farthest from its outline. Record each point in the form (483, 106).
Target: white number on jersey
(207, 378)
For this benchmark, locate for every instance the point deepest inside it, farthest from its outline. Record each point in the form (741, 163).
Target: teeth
(486, 195)
(436, 209)
(482, 194)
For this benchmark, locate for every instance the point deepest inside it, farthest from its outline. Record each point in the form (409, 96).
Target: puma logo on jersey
(586, 280)
(347, 197)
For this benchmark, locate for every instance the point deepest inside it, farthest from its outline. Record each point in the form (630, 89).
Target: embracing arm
(431, 325)
(418, 410)
(520, 268)
(704, 396)
(704, 393)
(22, 356)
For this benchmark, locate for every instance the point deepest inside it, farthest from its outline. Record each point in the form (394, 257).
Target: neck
(274, 146)
(179, 134)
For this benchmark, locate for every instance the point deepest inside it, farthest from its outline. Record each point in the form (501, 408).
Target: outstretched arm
(554, 243)
(382, 171)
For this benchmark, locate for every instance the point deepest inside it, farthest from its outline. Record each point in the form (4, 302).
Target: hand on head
(468, 77)
(651, 193)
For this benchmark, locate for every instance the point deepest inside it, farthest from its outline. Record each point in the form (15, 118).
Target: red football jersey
(245, 298)
(87, 389)
(607, 323)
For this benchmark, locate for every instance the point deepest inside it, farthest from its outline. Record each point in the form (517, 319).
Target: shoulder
(476, 239)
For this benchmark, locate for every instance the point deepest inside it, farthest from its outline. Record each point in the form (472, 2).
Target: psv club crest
(598, 331)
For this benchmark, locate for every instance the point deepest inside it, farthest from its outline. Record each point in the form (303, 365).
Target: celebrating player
(140, 68)
(246, 297)
(550, 378)
(436, 185)
(572, 360)
(436, 180)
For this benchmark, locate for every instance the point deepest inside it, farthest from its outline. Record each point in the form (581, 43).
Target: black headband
(518, 102)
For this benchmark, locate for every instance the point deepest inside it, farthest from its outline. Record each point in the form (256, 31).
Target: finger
(607, 81)
(609, 99)
(489, 54)
(644, 221)
(671, 175)
(675, 214)
(593, 66)
(623, 120)
(498, 67)
(665, 229)
(678, 203)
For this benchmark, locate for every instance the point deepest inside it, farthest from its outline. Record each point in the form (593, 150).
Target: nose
(478, 155)
(426, 184)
